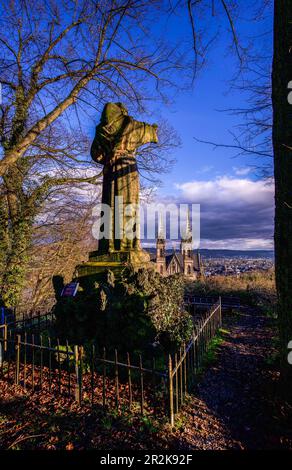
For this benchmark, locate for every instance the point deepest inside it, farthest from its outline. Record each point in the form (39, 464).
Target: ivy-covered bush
(140, 312)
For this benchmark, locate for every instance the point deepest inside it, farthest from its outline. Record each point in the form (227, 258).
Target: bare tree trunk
(282, 142)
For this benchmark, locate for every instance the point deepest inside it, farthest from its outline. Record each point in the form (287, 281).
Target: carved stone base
(115, 261)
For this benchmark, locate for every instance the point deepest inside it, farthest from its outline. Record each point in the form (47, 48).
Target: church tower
(186, 244)
(160, 249)
(186, 249)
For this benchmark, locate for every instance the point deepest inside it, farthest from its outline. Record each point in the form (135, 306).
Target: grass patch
(212, 351)
(149, 425)
(255, 289)
(222, 331)
(180, 422)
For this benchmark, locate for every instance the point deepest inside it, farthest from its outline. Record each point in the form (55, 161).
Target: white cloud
(241, 171)
(227, 190)
(236, 213)
(238, 244)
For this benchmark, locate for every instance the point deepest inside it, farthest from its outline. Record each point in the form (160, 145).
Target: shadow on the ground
(241, 389)
(31, 423)
(235, 406)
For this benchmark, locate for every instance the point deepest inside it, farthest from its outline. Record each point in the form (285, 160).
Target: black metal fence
(31, 321)
(187, 362)
(207, 301)
(32, 361)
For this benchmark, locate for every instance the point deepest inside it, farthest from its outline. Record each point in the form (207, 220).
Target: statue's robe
(116, 139)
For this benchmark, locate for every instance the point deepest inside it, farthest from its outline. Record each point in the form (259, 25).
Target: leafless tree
(267, 133)
(61, 240)
(61, 58)
(60, 61)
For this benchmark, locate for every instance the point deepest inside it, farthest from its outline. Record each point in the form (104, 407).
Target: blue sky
(236, 204)
(243, 217)
(195, 113)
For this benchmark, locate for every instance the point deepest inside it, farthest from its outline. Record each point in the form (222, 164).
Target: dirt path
(235, 405)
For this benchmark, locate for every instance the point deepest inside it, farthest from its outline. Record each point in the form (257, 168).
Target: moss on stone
(140, 311)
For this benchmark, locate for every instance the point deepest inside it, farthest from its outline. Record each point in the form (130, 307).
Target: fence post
(194, 353)
(176, 383)
(78, 370)
(181, 376)
(117, 378)
(17, 350)
(220, 312)
(170, 379)
(104, 379)
(129, 380)
(185, 368)
(92, 372)
(81, 357)
(141, 384)
(5, 337)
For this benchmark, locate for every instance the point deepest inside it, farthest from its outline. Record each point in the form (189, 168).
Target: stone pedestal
(115, 261)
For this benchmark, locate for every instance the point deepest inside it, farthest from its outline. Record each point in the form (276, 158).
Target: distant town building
(186, 261)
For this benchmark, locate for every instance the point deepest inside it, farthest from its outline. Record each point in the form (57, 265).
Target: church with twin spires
(186, 261)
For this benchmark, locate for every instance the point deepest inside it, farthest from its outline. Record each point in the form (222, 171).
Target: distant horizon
(218, 249)
(152, 246)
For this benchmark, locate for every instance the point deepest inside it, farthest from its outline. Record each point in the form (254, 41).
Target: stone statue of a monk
(117, 137)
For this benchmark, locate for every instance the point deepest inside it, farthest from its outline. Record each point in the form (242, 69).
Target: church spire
(188, 232)
(160, 242)
(187, 239)
(160, 234)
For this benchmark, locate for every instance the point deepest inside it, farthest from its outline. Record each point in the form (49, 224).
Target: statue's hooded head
(111, 122)
(112, 116)
(117, 128)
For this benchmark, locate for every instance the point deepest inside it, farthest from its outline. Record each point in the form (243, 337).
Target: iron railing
(104, 379)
